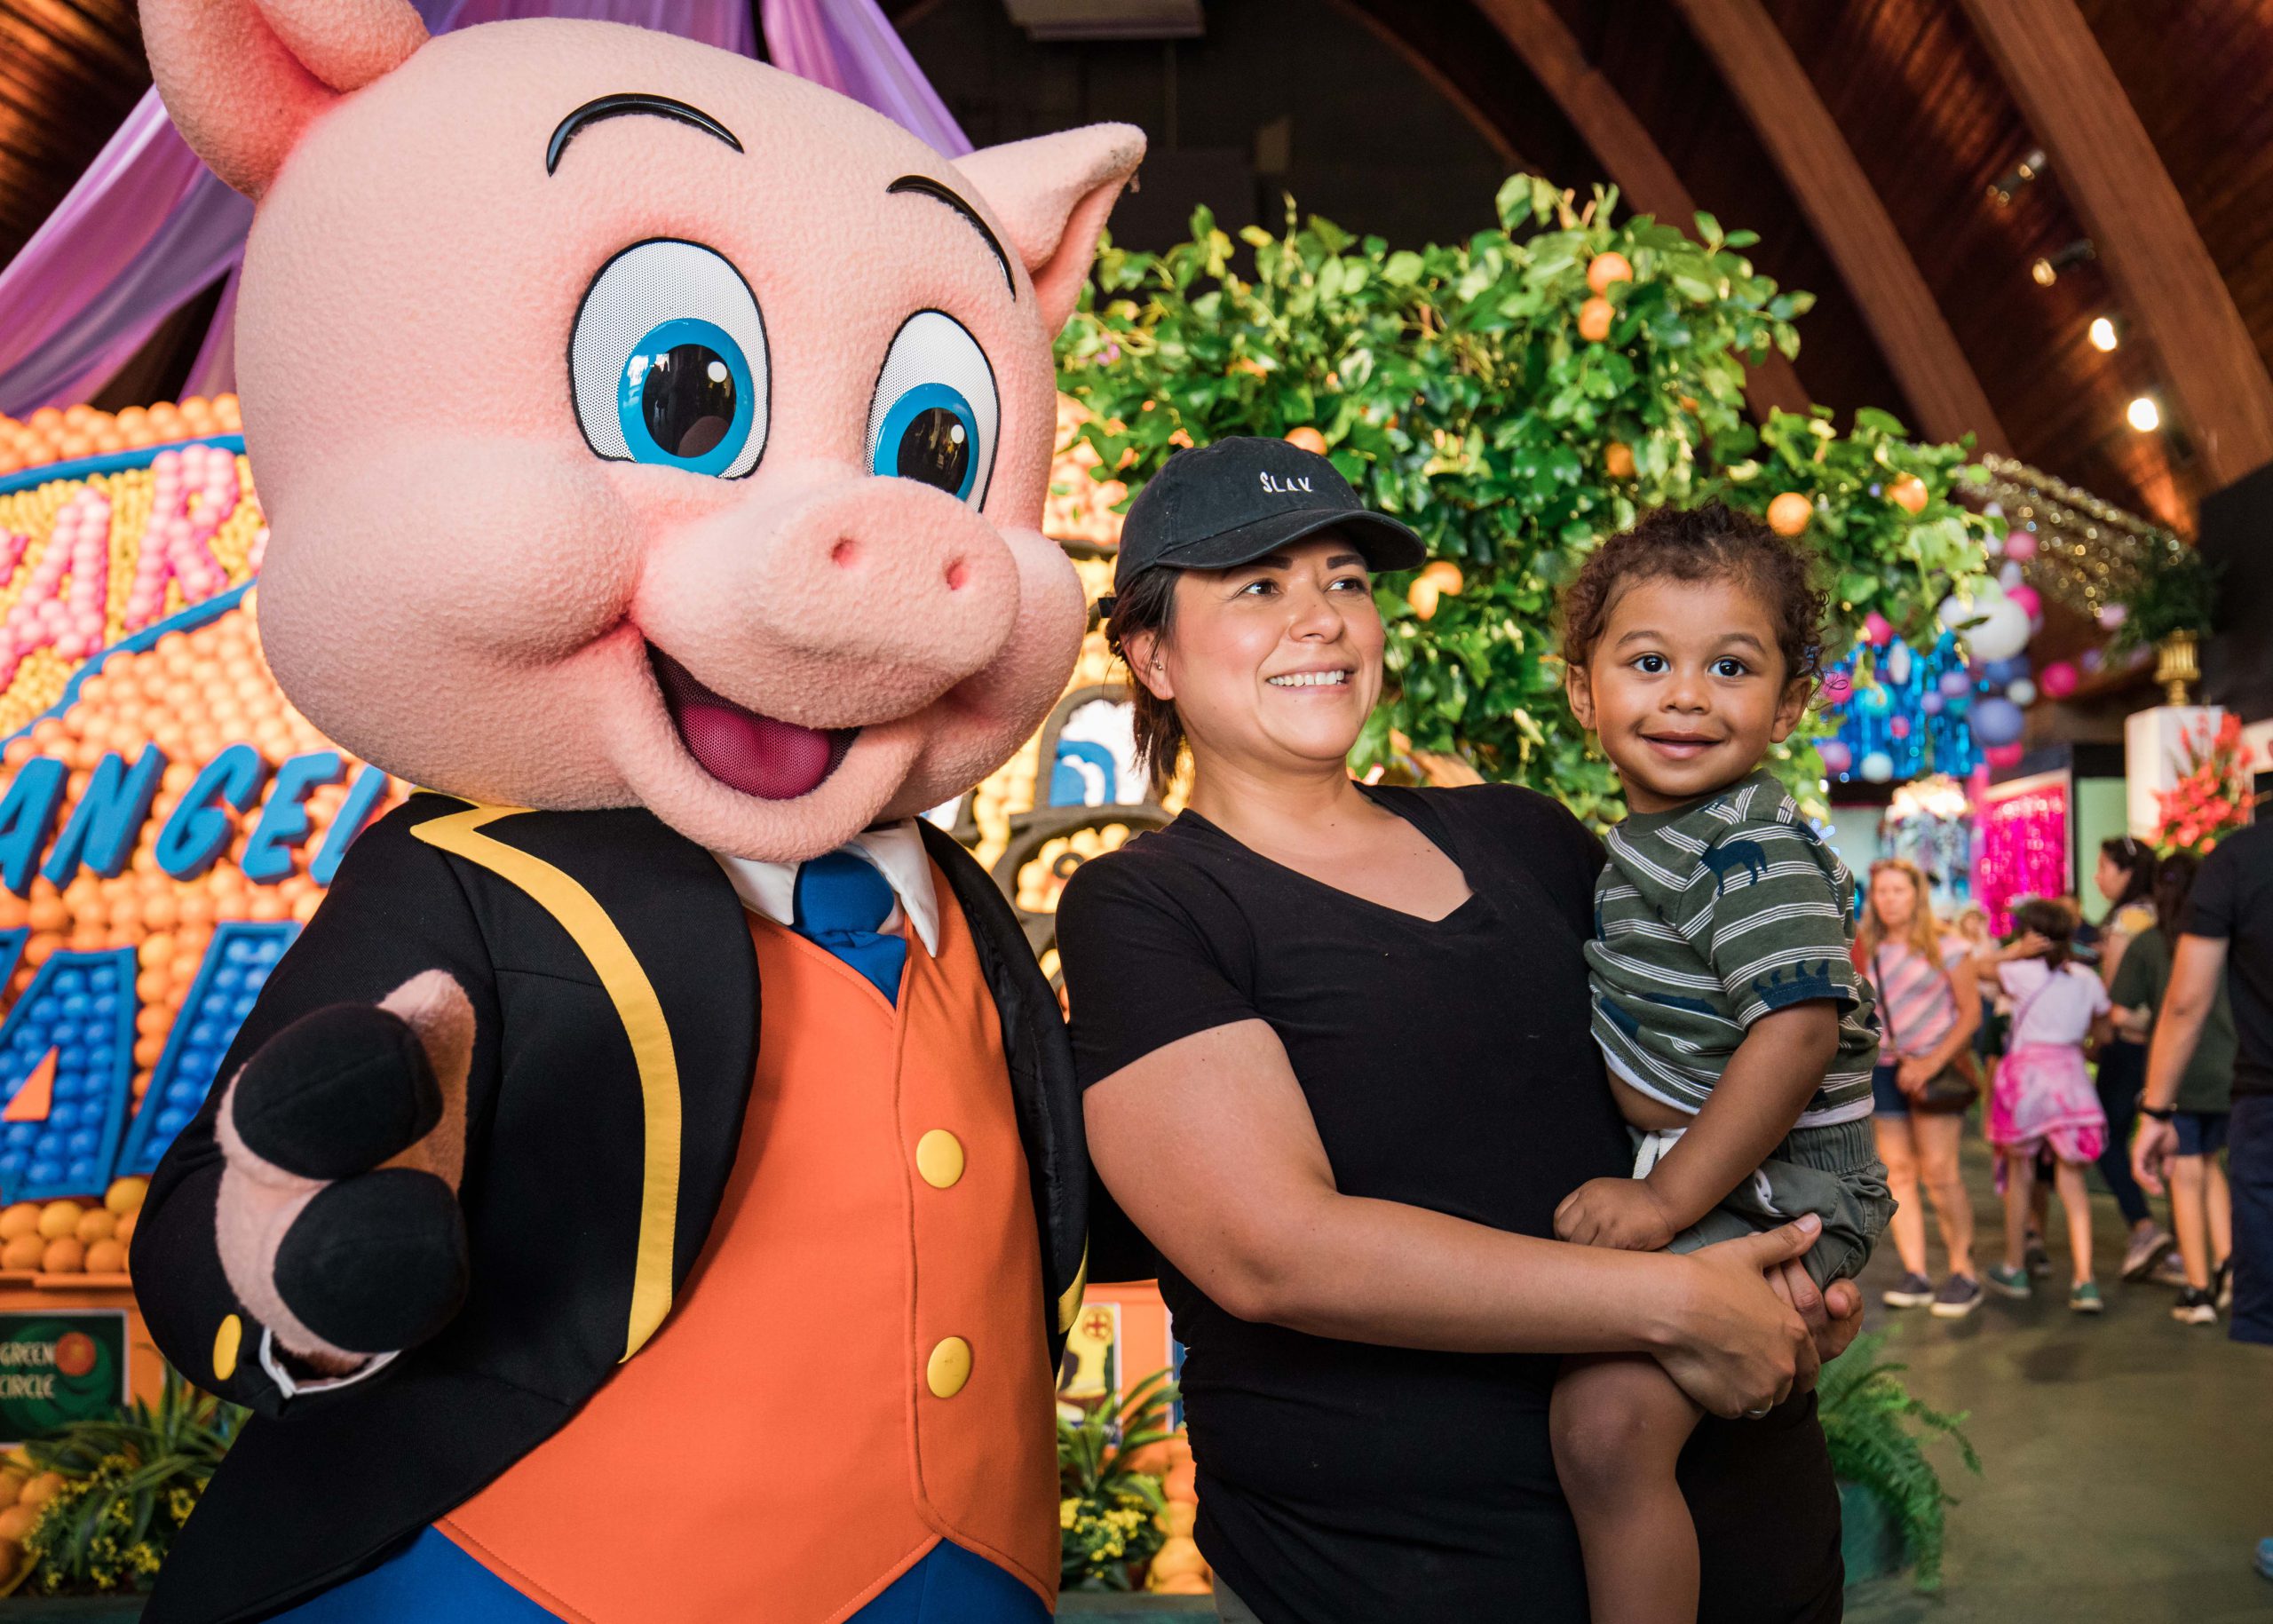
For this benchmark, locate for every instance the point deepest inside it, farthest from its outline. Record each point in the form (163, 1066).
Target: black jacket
(320, 1489)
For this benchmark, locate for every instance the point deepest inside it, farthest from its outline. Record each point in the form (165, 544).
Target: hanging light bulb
(2144, 415)
(2103, 336)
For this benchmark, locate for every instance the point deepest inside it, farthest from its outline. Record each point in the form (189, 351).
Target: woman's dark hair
(1148, 604)
(2136, 859)
(2174, 886)
(2052, 920)
(1709, 543)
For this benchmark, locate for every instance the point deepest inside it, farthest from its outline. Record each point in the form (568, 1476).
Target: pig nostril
(958, 572)
(845, 553)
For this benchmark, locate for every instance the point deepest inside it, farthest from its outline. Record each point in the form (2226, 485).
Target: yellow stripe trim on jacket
(1069, 1300)
(627, 986)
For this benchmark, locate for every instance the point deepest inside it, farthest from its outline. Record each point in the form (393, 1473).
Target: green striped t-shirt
(1709, 918)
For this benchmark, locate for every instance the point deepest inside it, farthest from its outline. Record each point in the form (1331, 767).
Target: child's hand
(1619, 1213)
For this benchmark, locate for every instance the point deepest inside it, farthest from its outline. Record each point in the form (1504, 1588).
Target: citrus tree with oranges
(1513, 398)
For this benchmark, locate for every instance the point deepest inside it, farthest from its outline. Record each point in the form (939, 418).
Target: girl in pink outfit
(2043, 1096)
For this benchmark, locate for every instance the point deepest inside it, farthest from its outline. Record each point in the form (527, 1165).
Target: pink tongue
(775, 760)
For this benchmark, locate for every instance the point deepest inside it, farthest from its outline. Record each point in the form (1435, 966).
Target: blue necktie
(839, 900)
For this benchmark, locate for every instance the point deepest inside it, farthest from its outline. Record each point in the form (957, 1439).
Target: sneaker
(1910, 1291)
(2265, 1556)
(2007, 1282)
(2034, 1258)
(2147, 1246)
(2195, 1307)
(2222, 1285)
(2171, 1272)
(1958, 1296)
(2084, 1298)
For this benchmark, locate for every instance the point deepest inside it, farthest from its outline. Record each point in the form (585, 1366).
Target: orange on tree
(1789, 513)
(1618, 460)
(1308, 438)
(1423, 595)
(1908, 493)
(1604, 269)
(1447, 574)
(1595, 319)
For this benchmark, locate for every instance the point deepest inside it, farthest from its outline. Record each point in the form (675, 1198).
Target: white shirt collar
(896, 851)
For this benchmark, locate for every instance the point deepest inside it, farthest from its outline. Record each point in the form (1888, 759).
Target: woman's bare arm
(1209, 1144)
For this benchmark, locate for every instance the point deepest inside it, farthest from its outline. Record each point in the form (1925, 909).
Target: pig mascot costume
(651, 1189)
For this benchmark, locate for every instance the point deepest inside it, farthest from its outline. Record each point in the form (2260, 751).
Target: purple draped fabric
(850, 46)
(149, 226)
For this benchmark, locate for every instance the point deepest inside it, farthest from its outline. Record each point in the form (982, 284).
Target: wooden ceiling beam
(2109, 168)
(1624, 148)
(1761, 71)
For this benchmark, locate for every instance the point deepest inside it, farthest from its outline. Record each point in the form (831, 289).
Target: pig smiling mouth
(759, 755)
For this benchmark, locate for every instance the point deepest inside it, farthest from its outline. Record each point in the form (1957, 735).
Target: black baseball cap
(1212, 507)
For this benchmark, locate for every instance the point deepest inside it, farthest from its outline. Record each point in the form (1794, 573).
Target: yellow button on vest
(226, 1341)
(939, 1158)
(949, 1369)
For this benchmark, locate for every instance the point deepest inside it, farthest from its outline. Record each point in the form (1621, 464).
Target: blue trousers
(2249, 1171)
(435, 1582)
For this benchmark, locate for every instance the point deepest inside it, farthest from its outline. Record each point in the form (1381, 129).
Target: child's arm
(1764, 1087)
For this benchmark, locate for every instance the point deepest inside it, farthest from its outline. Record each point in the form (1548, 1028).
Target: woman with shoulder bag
(1929, 1005)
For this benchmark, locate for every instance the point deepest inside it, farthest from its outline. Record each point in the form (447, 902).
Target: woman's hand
(2031, 945)
(1913, 1073)
(1738, 1347)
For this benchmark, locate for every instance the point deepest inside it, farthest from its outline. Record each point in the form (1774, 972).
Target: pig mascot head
(640, 426)
(653, 444)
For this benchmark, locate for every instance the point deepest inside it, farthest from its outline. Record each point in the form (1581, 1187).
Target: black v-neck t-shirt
(1448, 1064)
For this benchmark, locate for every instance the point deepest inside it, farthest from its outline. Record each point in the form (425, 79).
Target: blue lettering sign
(284, 821)
(80, 1010)
(199, 830)
(236, 966)
(28, 818)
(104, 824)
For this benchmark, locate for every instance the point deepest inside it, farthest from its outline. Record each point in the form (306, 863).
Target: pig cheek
(450, 571)
(983, 722)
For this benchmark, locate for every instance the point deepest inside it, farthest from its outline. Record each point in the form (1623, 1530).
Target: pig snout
(863, 603)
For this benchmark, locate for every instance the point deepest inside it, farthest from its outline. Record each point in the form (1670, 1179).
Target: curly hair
(1709, 543)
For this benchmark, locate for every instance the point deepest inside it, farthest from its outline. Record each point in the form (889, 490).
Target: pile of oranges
(72, 1237)
(53, 435)
(1177, 1568)
(191, 693)
(24, 1489)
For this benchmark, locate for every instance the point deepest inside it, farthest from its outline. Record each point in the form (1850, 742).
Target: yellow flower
(1068, 1512)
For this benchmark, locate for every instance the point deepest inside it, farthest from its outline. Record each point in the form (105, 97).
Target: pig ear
(1051, 195)
(243, 79)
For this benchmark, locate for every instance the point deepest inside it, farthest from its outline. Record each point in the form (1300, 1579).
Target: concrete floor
(2128, 1459)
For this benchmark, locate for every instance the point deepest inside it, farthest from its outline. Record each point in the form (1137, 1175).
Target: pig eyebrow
(624, 105)
(923, 186)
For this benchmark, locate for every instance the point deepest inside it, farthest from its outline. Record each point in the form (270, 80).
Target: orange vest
(856, 1366)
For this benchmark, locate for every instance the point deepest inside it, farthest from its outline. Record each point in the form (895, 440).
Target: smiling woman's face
(1276, 664)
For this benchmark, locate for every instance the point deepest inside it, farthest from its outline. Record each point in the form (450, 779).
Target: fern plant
(1108, 1511)
(1878, 1429)
(130, 1481)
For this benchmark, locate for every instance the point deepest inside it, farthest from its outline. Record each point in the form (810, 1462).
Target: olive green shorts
(1832, 1171)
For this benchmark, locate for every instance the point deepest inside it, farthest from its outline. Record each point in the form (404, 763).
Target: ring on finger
(1758, 1413)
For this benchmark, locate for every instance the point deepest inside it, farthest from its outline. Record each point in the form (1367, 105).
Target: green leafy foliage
(2177, 591)
(130, 1484)
(1453, 389)
(1108, 1511)
(1877, 1432)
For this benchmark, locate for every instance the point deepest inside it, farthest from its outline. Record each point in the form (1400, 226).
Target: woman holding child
(1342, 1069)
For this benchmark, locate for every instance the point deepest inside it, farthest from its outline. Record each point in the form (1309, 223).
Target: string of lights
(2087, 553)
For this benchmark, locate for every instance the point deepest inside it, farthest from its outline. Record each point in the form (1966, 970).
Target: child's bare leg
(2075, 1200)
(1618, 1423)
(2189, 1216)
(2218, 1202)
(2020, 1186)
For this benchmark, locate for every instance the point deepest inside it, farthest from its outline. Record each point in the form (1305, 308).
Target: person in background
(2043, 1100)
(2200, 1205)
(1972, 926)
(2227, 940)
(1930, 1007)
(2125, 877)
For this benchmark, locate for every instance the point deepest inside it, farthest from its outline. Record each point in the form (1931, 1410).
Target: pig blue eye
(667, 362)
(935, 414)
